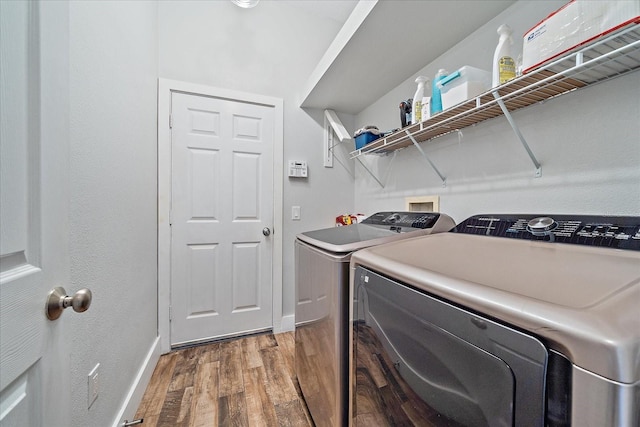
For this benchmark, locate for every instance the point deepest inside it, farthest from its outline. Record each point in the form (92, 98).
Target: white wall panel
(248, 128)
(246, 186)
(204, 195)
(205, 122)
(20, 402)
(246, 281)
(17, 121)
(203, 266)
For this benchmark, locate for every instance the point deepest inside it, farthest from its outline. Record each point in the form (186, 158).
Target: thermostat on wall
(297, 169)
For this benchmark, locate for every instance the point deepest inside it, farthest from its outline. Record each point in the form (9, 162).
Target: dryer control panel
(399, 220)
(620, 232)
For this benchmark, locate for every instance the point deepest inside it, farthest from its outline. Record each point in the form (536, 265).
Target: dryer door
(421, 358)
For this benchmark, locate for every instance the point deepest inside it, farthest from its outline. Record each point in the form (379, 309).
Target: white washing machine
(506, 320)
(323, 303)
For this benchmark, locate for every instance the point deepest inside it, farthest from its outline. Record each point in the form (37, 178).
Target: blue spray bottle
(436, 98)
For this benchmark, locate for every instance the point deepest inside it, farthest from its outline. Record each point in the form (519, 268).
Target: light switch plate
(295, 213)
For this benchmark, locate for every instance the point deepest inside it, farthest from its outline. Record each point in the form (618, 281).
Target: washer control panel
(399, 220)
(621, 232)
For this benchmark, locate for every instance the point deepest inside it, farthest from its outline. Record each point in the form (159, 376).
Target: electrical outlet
(93, 385)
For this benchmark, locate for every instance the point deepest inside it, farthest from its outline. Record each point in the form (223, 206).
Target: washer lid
(348, 238)
(583, 299)
(382, 227)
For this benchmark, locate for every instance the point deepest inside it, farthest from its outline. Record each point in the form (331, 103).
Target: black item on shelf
(405, 112)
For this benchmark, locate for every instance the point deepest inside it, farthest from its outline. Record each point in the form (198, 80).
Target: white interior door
(221, 217)
(34, 257)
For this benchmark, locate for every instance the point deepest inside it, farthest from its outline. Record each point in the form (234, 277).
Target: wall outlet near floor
(93, 382)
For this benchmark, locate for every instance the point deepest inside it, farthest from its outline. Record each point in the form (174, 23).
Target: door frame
(165, 88)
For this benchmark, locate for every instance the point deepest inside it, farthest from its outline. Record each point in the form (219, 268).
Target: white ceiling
(383, 46)
(337, 10)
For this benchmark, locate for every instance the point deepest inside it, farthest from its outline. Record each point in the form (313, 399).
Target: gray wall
(113, 78)
(588, 143)
(268, 50)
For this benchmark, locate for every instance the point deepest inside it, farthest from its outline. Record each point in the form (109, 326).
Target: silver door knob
(58, 300)
(266, 231)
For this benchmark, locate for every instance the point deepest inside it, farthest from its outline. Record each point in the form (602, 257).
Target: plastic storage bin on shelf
(366, 135)
(463, 84)
(365, 138)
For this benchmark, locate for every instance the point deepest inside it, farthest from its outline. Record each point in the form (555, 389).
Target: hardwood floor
(383, 398)
(244, 382)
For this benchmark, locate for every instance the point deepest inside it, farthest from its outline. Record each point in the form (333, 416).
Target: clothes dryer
(506, 320)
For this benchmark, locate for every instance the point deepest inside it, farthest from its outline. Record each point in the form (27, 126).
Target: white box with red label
(575, 24)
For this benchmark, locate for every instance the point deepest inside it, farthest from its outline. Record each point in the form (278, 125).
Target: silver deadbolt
(266, 231)
(58, 300)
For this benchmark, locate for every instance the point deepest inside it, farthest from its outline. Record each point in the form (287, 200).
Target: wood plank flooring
(383, 398)
(244, 382)
(317, 371)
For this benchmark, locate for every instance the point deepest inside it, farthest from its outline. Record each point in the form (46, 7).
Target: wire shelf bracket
(382, 182)
(516, 130)
(424, 156)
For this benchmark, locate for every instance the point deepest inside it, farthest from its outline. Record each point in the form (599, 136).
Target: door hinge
(169, 313)
(170, 121)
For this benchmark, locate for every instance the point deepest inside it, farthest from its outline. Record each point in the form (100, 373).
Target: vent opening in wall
(422, 204)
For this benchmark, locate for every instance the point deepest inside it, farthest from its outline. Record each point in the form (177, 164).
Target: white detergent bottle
(416, 108)
(504, 67)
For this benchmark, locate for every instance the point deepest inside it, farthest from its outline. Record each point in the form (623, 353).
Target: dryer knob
(541, 225)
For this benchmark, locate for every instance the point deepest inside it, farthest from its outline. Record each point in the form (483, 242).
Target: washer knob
(393, 218)
(541, 226)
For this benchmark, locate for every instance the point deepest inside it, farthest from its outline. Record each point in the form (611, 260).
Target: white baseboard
(288, 323)
(139, 385)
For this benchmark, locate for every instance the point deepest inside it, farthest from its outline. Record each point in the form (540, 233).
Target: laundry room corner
(585, 167)
(262, 59)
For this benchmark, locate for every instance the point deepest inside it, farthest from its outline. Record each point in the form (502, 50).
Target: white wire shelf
(606, 58)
